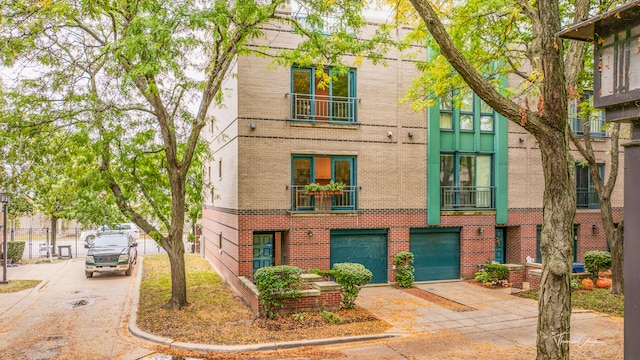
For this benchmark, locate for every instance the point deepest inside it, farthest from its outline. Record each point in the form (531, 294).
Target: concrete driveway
(67, 316)
(496, 325)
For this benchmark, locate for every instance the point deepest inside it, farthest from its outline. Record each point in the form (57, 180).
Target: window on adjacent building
(579, 109)
(323, 170)
(325, 97)
(466, 181)
(586, 194)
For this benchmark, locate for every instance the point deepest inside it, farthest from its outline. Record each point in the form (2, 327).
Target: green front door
(436, 252)
(366, 247)
(262, 251)
(499, 246)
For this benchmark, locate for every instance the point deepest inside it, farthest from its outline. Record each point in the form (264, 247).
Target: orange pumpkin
(587, 284)
(603, 283)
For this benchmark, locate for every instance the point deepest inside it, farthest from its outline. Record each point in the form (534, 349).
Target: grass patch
(18, 285)
(215, 315)
(600, 300)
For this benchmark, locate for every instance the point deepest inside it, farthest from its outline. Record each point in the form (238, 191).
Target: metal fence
(34, 238)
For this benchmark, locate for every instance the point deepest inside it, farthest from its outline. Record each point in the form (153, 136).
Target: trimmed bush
(352, 277)
(277, 284)
(596, 261)
(492, 273)
(15, 249)
(404, 269)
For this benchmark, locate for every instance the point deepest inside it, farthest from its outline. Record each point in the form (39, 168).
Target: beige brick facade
(254, 140)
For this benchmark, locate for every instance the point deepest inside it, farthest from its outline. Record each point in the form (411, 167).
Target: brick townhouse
(456, 185)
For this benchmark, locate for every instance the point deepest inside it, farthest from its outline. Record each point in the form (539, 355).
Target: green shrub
(15, 249)
(277, 284)
(404, 269)
(331, 318)
(596, 261)
(352, 277)
(482, 276)
(492, 273)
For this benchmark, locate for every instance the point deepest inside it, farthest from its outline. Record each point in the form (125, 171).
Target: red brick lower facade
(227, 237)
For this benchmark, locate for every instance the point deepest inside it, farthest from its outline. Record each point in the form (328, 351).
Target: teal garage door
(366, 247)
(436, 252)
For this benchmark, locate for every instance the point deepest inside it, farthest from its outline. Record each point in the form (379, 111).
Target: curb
(202, 348)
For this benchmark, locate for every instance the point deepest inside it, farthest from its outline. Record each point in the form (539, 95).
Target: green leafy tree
(138, 79)
(477, 44)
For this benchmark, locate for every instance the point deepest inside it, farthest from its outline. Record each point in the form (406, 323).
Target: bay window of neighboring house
(576, 117)
(328, 96)
(466, 160)
(308, 169)
(586, 194)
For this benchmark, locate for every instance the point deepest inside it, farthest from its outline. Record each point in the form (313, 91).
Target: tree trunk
(54, 231)
(616, 245)
(174, 245)
(554, 303)
(178, 277)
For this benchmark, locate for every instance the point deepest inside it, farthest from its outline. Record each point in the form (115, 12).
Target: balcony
(587, 199)
(323, 108)
(303, 201)
(467, 197)
(596, 124)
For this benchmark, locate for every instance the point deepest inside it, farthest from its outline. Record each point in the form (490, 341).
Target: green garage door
(366, 247)
(437, 253)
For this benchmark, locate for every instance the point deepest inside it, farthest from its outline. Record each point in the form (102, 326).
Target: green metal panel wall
(366, 247)
(437, 253)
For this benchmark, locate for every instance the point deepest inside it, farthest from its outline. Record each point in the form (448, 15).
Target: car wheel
(89, 240)
(128, 271)
(88, 274)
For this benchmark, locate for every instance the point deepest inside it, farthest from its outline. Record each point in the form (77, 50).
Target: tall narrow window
(220, 169)
(466, 111)
(586, 194)
(446, 112)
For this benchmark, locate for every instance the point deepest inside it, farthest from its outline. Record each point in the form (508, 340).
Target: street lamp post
(4, 199)
(616, 80)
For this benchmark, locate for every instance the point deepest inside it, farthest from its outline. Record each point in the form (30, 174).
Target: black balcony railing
(323, 108)
(596, 124)
(302, 200)
(587, 198)
(467, 197)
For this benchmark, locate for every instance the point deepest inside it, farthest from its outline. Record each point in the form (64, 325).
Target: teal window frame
(351, 100)
(346, 202)
(473, 200)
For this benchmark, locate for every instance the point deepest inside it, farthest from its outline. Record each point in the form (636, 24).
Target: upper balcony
(323, 108)
(596, 126)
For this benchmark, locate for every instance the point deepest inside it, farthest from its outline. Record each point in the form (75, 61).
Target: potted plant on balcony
(314, 189)
(334, 188)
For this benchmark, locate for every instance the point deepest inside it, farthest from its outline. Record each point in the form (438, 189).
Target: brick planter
(321, 294)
